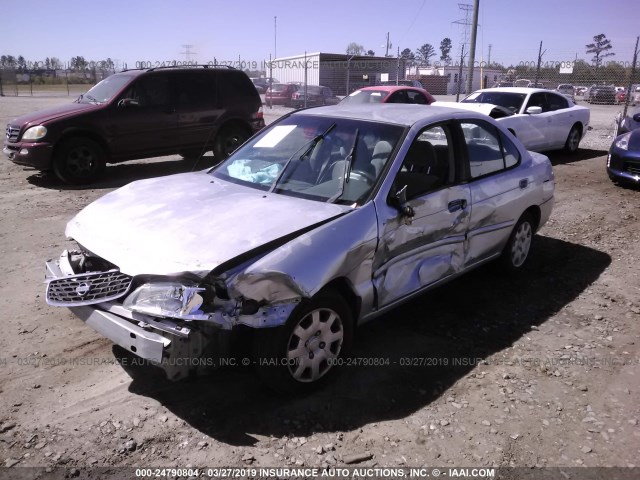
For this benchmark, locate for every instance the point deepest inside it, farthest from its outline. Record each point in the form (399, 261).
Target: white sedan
(541, 119)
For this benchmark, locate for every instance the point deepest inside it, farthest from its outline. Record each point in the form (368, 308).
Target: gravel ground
(538, 370)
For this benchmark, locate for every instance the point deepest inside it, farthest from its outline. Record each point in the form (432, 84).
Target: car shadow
(562, 158)
(444, 334)
(120, 174)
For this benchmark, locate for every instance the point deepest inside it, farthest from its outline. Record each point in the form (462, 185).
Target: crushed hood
(189, 222)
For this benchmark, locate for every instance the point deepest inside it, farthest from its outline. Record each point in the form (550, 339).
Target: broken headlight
(167, 299)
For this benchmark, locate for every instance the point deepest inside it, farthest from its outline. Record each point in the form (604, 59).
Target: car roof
(396, 113)
(521, 90)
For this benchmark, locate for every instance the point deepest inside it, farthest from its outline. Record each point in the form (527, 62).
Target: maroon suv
(280, 93)
(139, 114)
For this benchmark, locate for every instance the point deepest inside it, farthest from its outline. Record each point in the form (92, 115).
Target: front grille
(633, 168)
(87, 288)
(12, 133)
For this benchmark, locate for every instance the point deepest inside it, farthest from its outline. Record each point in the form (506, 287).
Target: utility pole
(187, 52)
(388, 46)
(275, 37)
(540, 54)
(631, 79)
(472, 49)
(489, 59)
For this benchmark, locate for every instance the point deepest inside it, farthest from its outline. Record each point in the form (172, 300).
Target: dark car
(628, 123)
(139, 114)
(601, 94)
(280, 93)
(623, 162)
(261, 84)
(316, 95)
(390, 94)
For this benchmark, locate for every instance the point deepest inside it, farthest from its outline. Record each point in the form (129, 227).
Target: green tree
(424, 54)
(56, 64)
(78, 63)
(600, 48)
(355, 49)
(371, 53)
(21, 63)
(409, 57)
(445, 48)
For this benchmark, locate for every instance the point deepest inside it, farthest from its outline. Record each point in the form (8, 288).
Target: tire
(516, 252)
(317, 333)
(191, 154)
(573, 140)
(79, 161)
(228, 140)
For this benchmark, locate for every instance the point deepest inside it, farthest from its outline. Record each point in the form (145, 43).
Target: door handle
(524, 183)
(455, 205)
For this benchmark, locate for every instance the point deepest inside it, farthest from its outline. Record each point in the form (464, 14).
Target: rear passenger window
(195, 90)
(489, 150)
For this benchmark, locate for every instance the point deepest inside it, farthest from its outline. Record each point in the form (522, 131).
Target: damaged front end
(179, 323)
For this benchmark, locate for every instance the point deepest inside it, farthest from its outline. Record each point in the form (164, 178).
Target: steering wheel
(363, 175)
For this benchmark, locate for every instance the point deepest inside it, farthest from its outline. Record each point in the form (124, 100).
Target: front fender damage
(266, 287)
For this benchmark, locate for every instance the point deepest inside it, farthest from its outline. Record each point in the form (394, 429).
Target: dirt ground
(538, 370)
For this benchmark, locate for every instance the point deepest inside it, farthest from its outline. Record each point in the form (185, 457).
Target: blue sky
(132, 31)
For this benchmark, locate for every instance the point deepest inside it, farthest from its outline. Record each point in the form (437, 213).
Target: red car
(280, 93)
(390, 94)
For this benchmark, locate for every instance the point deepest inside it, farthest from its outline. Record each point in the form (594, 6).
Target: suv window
(195, 90)
(151, 91)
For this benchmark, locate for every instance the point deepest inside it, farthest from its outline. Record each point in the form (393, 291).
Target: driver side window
(151, 91)
(428, 164)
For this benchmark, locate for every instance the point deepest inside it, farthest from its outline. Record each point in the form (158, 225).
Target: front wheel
(228, 140)
(573, 140)
(306, 350)
(516, 252)
(79, 161)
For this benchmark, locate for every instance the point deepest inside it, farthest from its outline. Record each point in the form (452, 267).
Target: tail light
(259, 113)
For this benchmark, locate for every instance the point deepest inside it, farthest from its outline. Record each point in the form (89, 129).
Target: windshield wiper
(91, 99)
(310, 146)
(347, 168)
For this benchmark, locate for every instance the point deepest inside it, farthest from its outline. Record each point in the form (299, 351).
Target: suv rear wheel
(228, 140)
(79, 160)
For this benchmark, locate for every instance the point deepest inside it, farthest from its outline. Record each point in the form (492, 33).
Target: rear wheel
(79, 160)
(228, 140)
(516, 252)
(573, 140)
(304, 352)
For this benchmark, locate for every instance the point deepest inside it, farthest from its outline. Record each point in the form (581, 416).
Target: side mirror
(534, 110)
(399, 202)
(128, 102)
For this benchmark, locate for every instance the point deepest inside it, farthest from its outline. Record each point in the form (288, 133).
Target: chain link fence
(49, 82)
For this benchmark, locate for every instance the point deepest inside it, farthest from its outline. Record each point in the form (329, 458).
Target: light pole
(275, 37)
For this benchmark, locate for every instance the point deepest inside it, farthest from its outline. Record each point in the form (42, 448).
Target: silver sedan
(319, 223)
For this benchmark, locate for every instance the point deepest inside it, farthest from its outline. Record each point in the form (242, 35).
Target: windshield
(318, 158)
(365, 96)
(511, 101)
(105, 90)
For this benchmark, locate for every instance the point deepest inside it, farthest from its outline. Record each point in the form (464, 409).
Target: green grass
(44, 90)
